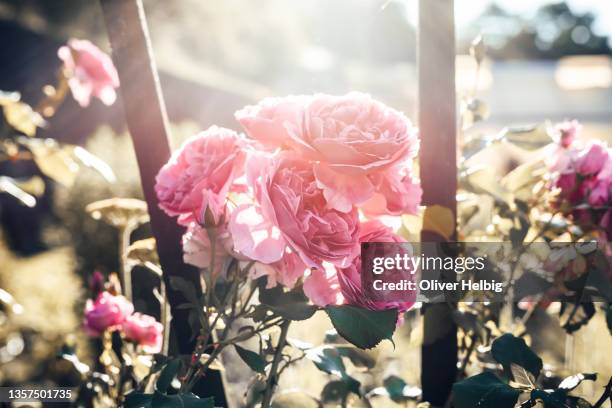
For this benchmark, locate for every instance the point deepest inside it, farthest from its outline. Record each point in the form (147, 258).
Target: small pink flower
(199, 175)
(322, 286)
(144, 330)
(349, 139)
(290, 200)
(90, 72)
(107, 312)
(350, 277)
(567, 132)
(592, 159)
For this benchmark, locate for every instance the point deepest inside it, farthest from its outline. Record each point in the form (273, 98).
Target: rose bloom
(197, 249)
(322, 286)
(294, 212)
(144, 330)
(90, 72)
(349, 139)
(350, 277)
(107, 312)
(199, 175)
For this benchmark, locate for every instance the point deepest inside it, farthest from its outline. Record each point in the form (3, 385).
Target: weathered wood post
(438, 164)
(147, 122)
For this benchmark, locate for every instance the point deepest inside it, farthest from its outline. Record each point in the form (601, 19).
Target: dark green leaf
(399, 391)
(252, 359)
(484, 390)
(167, 375)
(292, 305)
(160, 400)
(359, 358)
(329, 360)
(138, 400)
(509, 349)
(361, 327)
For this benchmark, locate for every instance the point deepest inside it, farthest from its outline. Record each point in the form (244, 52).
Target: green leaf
(329, 360)
(399, 391)
(509, 349)
(484, 390)
(160, 400)
(292, 305)
(167, 375)
(359, 358)
(361, 327)
(252, 359)
(138, 400)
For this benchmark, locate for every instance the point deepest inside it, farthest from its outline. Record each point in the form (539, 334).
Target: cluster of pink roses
(115, 312)
(297, 195)
(583, 176)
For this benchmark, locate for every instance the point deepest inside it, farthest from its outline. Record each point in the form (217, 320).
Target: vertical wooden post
(438, 164)
(147, 122)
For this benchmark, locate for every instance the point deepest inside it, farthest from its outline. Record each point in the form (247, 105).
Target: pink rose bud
(90, 72)
(567, 132)
(106, 312)
(144, 330)
(96, 282)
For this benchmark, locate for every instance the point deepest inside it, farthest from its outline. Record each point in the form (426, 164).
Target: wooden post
(438, 164)
(147, 122)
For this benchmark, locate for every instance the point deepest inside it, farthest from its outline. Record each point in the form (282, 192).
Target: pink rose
(398, 193)
(197, 250)
(286, 271)
(290, 201)
(90, 72)
(350, 277)
(199, 175)
(144, 330)
(106, 312)
(322, 286)
(567, 132)
(592, 159)
(348, 138)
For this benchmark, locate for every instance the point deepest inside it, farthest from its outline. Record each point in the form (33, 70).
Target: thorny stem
(273, 375)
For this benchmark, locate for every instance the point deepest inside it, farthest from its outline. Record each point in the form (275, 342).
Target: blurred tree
(554, 31)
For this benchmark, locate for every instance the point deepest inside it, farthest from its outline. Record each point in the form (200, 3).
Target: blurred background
(545, 60)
